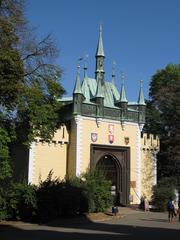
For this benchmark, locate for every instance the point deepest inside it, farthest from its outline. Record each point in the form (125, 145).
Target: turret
(78, 96)
(141, 105)
(99, 99)
(123, 102)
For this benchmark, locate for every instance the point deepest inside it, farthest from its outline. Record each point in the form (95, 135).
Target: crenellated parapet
(61, 137)
(150, 142)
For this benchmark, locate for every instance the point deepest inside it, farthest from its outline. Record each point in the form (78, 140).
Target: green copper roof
(99, 90)
(77, 88)
(141, 96)
(85, 89)
(108, 91)
(100, 49)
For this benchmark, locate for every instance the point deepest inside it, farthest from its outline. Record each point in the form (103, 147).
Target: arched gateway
(114, 162)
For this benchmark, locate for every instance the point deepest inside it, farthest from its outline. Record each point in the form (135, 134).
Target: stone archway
(115, 163)
(108, 165)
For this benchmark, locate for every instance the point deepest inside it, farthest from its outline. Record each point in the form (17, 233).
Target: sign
(94, 137)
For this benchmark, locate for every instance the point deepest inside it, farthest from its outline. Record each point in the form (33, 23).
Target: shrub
(162, 192)
(59, 198)
(21, 201)
(97, 191)
(3, 205)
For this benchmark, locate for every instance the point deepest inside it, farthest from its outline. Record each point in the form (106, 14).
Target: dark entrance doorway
(107, 165)
(114, 162)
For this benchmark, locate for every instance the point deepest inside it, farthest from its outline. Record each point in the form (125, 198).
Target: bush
(97, 191)
(21, 201)
(3, 205)
(60, 198)
(162, 192)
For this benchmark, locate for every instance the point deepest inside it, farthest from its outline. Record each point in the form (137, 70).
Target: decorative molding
(109, 121)
(78, 163)
(98, 121)
(123, 125)
(31, 166)
(141, 125)
(138, 163)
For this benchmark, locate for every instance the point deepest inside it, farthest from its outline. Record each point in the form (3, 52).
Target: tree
(163, 118)
(29, 76)
(29, 80)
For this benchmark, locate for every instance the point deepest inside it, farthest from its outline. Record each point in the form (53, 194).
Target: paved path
(133, 225)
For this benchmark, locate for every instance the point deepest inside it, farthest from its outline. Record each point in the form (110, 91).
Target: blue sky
(141, 36)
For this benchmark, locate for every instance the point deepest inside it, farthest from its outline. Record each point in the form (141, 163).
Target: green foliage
(18, 201)
(54, 198)
(5, 165)
(163, 118)
(21, 201)
(29, 83)
(3, 204)
(97, 191)
(59, 198)
(162, 192)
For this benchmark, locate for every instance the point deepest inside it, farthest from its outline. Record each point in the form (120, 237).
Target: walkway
(130, 224)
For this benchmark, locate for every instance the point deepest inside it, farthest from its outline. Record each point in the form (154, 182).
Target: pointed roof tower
(122, 93)
(99, 90)
(141, 95)
(99, 71)
(100, 49)
(77, 88)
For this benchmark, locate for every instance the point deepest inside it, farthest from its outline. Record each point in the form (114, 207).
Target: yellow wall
(60, 155)
(51, 156)
(149, 147)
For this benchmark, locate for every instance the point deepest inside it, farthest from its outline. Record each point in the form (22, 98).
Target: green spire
(122, 93)
(141, 95)
(77, 88)
(99, 92)
(100, 50)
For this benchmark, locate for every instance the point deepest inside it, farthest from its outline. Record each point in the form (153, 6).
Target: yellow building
(102, 130)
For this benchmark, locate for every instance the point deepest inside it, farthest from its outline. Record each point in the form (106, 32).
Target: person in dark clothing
(170, 208)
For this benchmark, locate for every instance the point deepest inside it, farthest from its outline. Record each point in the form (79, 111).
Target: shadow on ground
(82, 230)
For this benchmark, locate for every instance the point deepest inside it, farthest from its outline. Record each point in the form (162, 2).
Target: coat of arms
(126, 140)
(94, 137)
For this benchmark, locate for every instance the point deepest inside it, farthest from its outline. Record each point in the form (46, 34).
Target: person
(176, 208)
(170, 208)
(146, 205)
(141, 205)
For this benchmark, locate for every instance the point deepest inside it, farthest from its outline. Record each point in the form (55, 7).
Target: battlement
(150, 142)
(61, 137)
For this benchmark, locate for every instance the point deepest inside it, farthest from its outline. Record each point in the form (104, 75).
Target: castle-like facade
(101, 130)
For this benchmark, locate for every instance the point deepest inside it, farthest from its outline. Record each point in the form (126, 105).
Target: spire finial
(100, 50)
(85, 65)
(122, 77)
(77, 88)
(100, 28)
(113, 71)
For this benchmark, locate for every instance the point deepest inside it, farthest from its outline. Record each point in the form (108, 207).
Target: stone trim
(31, 166)
(138, 163)
(78, 162)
